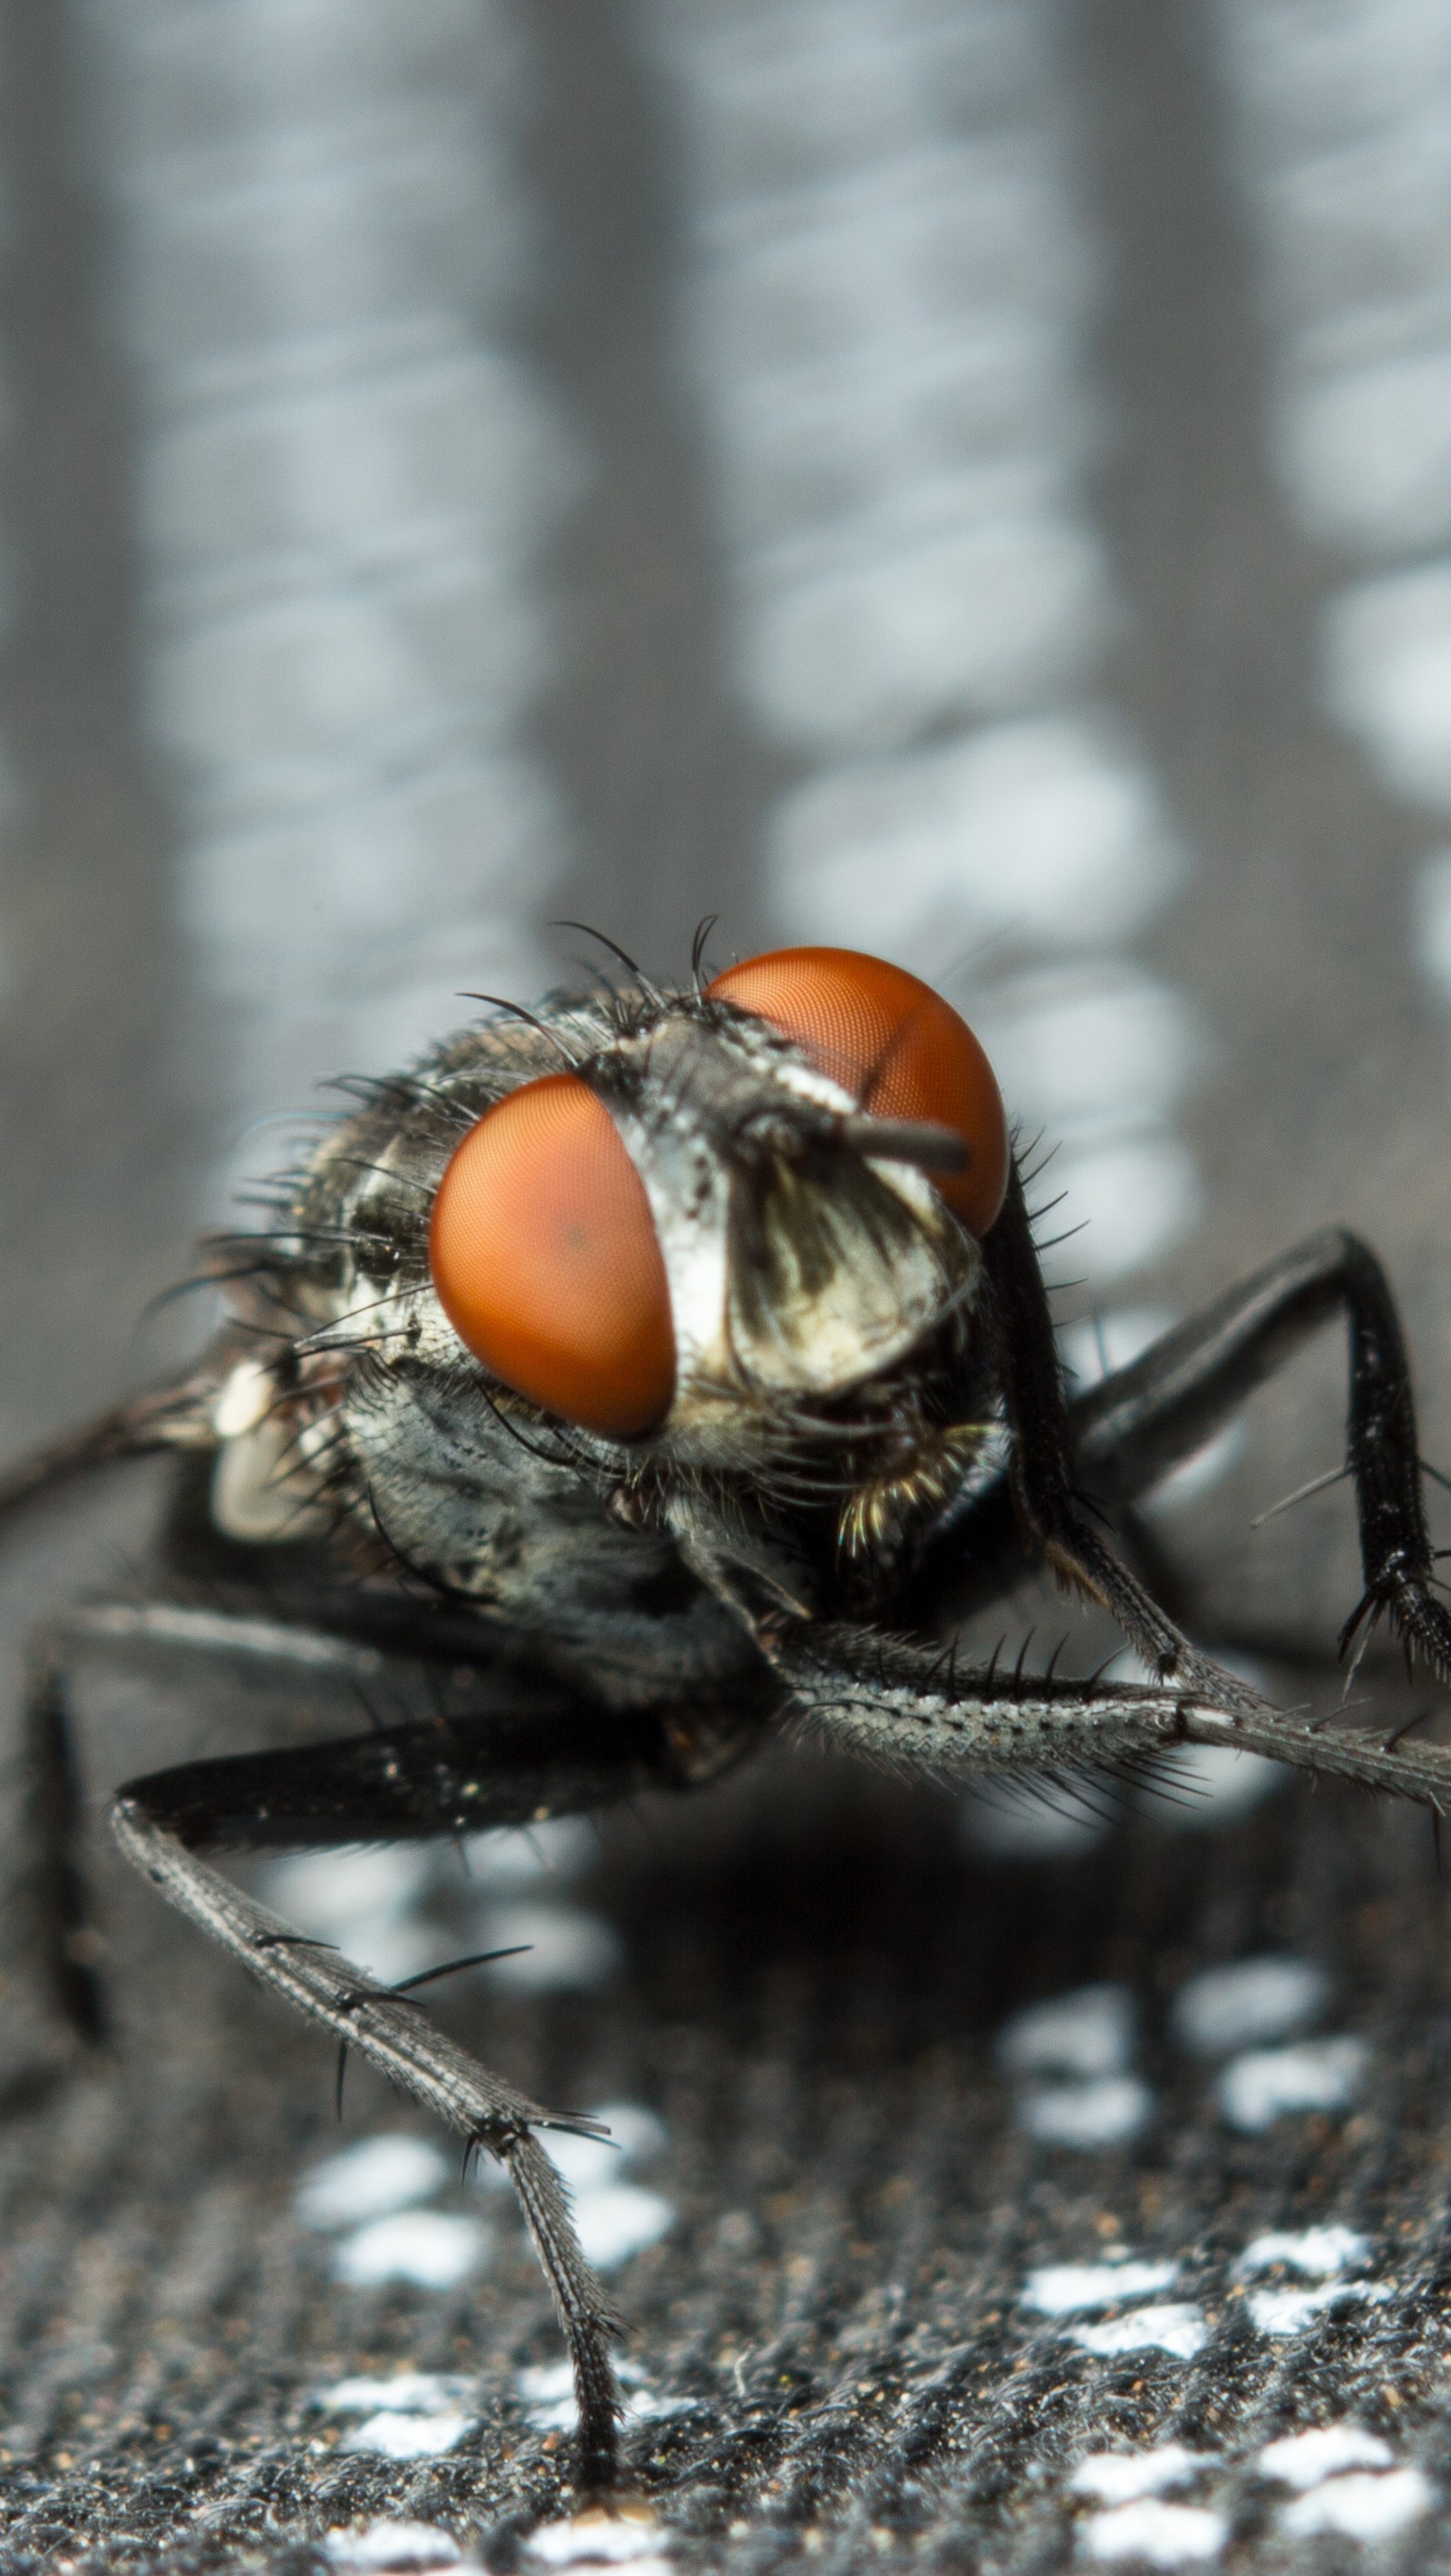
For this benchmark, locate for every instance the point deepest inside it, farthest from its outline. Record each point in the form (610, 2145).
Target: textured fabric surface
(844, 2331)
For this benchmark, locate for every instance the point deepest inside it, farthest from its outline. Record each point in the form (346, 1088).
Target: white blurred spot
(395, 2549)
(629, 2538)
(456, 449)
(1431, 919)
(408, 2392)
(619, 2220)
(1076, 2289)
(1303, 2459)
(587, 2164)
(558, 1847)
(568, 1951)
(1175, 2328)
(1036, 830)
(415, 2415)
(865, 634)
(369, 2180)
(1364, 2508)
(431, 2247)
(342, 1887)
(1121, 2477)
(1196, 1474)
(1132, 1201)
(1269, 2084)
(286, 699)
(1089, 2032)
(1096, 1345)
(1388, 676)
(408, 2437)
(1267, 1998)
(360, 1902)
(1319, 2252)
(1288, 2312)
(1158, 2535)
(408, 885)
(637, 2135)
(613, 2218)
(1084, 1050)
(1106, 2113)
(1366, 451)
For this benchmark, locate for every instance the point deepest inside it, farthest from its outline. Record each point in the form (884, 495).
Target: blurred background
(968, 479)
(970, 482)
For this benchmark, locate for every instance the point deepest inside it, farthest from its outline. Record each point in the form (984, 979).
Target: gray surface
(814, 1971)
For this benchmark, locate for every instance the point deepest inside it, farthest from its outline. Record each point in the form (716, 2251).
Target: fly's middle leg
(922, 1711)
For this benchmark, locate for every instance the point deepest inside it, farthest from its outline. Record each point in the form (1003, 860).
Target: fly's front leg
(1137, 1422)
(1141, 1421)
(433, 1778)
(1044, 1471)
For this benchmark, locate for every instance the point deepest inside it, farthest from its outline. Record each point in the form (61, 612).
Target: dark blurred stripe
(96, 1142)
(666, 780)
(1294, 929)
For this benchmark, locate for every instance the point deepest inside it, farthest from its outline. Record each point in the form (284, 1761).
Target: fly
(678, 1367)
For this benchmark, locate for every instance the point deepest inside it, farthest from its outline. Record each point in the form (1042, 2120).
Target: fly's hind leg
(445, 1776)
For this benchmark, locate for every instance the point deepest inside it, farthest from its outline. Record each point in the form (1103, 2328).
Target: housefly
(672, 1367)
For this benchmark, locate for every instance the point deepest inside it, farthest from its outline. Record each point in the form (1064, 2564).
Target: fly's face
(686, 1228)
(754, 1201)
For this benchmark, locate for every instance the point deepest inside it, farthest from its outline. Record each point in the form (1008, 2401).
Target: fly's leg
(1130, 1429)
(173, 1415)
(694, 1748)
(1195, 1377)
(433, 1778)
(917, 1710)
(53, 1890)
(53, 1884)
(1044, 1471)
(543, 1755)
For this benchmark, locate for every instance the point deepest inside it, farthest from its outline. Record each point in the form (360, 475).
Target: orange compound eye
(546, 1261)
(895, 1044)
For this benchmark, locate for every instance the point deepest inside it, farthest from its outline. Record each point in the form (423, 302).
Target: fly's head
(726, 1231)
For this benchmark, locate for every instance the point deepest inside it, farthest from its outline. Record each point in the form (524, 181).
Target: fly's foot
(1401, 1594)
